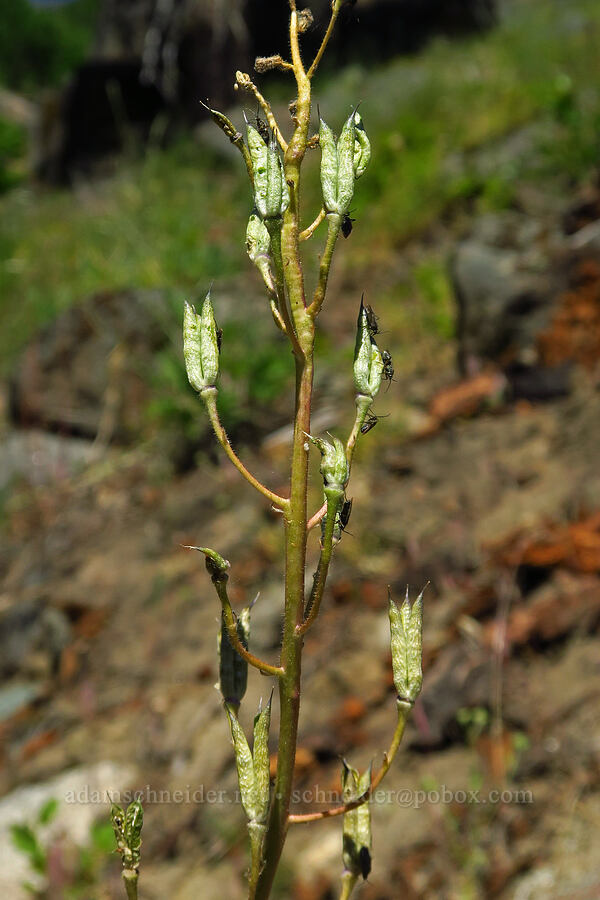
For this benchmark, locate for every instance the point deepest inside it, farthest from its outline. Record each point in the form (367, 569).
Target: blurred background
(476, 239)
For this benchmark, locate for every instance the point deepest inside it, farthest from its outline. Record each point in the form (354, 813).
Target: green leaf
(48, 811)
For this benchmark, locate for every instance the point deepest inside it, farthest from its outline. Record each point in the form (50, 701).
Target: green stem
(274, 229)
(130, 879)
(234, 638)
(209, 395)
(348, 884)
(316, 595)
(334, 223)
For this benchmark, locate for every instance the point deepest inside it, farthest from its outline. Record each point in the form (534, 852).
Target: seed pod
(233, 670)
(362, 147)
(334, 464)
(346, 177)
(368, 362)
(406, 627)
(134, 820)
(329, 167)
(356, 848)
(260, 754)
(271, 195)
(201, 345)
(258, 244)
(244, 764)
(117, 818)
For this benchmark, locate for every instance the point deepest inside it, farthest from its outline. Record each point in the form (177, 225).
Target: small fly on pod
(388, 366)
(370, 422)
(262, 127)
(372, 321)
(347, 225)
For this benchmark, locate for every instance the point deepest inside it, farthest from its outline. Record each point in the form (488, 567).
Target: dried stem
(244, 81)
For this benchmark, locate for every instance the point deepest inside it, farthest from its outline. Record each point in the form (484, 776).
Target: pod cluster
(342, 162)
(127, 827)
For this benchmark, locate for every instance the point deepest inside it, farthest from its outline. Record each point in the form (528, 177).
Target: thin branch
(348, 884)
(334, 14)
(295, 44)
(404, 709)
(304, 235)
(316, 594)
(244, 81)
(230, 620)
(209, 395)
(235, 136)
(333, 230)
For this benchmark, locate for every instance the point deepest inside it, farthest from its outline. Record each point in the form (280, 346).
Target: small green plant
(274, 240)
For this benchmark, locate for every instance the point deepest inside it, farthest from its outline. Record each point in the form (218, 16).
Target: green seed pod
(216, 566)
(329, 167)
(271, 195)
(368, 362)
(356, 847)
(233, 670)
(362, 147)
(406, 627)
(334, 464)
(260, 754)
(258, 245)
(117, 819)
(200, 345)
(134, 820)
(244, 764)
(345, 155)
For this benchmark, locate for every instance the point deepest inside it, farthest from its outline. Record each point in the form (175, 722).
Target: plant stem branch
(334, 14)
(333, 230)
(316, 594)
(209, 395)
(308, 232)
(231, 624)
(130, 880)
(274, 229)
(348, 884)
(245, 82)
(404, 709)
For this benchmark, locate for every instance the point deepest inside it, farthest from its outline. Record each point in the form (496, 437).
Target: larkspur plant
(273, 240)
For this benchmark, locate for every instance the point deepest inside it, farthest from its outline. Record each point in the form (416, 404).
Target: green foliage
(12, 150)
(38, 47)
(25, 839)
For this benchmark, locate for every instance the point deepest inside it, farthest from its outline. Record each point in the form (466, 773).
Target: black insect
(262, 128)
(364, 861)
(219, 338)
(347, 225)
(372, 321)
(345, 513)
(370, 422)
(388, 366)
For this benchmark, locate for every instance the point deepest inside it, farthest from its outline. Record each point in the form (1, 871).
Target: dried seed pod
(406, 628)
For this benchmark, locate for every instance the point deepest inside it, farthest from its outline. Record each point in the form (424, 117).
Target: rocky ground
(483, 481)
